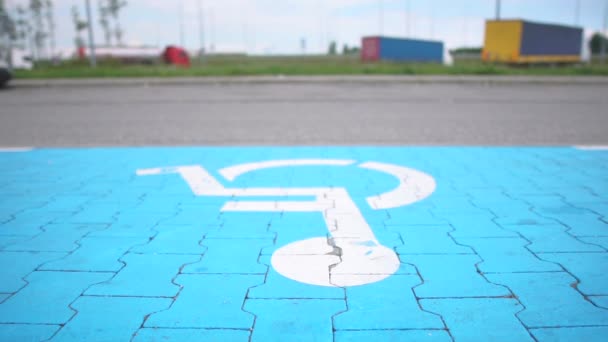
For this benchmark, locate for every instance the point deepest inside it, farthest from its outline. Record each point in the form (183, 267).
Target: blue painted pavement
(506, 244)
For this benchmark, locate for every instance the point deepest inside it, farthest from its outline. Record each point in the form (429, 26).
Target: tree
(104, 21)
(24, 29)
(79, 26)
(333, 48)
(596, 43)
(39, 34)
(7, 32)
(7, 26)
(114, 8)
(50, 22)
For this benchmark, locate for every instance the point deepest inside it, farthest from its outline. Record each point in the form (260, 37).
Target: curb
(203, 81)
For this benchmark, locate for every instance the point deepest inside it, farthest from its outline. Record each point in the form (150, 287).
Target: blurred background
(64, 38)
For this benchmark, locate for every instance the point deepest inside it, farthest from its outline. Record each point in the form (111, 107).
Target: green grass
(292, 66)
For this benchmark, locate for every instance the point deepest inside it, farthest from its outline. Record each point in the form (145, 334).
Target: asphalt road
(360, 113)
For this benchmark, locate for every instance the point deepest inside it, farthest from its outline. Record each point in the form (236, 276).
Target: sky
(281, 26)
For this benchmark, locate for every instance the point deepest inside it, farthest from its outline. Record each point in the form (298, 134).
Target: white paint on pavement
(592, 148)
(350, 254)
(15, 149)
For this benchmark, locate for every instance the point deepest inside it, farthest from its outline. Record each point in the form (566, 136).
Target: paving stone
(207, 215)
(584, 225)
(477, 226)
(56, 238)
(6, 241)
(231, 256)
(175, 239)
(507, 255)
(95, 255)
(27, 332)
(406, 216)
(551, 239)
(191, 335)
(291, 227)
(14, 266)
(4, 296)
(539, 293)
(109, 318)
(95, 214)
(399, 310)
(527, 218)
(564, 334)
(293, 320)
(601, 301)
(428, 240)
(28, 223)
(392, 335)
(46, 298)
(145, 276)
(590, 268)
(480, 319)
(600, 241)
(447, 276)
(278, 286)
(208, 301)
(236, 225)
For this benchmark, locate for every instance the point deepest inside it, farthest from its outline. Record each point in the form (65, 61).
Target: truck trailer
(526, 42)
(401, 50)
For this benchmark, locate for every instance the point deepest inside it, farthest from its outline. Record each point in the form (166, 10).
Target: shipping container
(521, 42)
(401, 50)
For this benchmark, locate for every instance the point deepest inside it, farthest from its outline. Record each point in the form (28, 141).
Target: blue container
(549, 40)
(402, 50)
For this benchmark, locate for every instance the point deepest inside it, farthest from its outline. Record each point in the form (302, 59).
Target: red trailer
(176, 56)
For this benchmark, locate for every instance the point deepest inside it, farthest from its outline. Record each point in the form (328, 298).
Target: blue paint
(91, 236)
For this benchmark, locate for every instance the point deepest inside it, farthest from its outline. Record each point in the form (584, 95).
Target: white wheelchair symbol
(351, 255)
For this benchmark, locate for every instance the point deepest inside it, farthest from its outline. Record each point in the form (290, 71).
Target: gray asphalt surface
(283, 113)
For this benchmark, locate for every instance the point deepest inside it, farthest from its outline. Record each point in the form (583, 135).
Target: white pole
(381, 16)
(498, 5)
(92, 57)
(201, 27)
(603, 35)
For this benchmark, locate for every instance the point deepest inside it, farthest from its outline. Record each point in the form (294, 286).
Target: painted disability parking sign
(350, 255)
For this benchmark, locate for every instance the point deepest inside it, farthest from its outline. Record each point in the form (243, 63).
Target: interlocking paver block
(56, 238)
(392, 335)
(399, 310)
(590, 268)
(278, 286)
(293, 320)
(291, 227)
(451, 276)
(46, 298)
(16, 265)
(477, 226)
(231, 256)
(108, 318)
(407, 216)
(6, 241)
(584, 224)
(175, 239)
(428, 240)
(145, 276)
(551, 300)
(27, 332)
(28, 223)
(601, 301)
(207, 215)
(95, 254)
(507, 255)
(208, 301)
(480, 319)
(570, 334)
(237, 225)
(191, 335)
(548, 239)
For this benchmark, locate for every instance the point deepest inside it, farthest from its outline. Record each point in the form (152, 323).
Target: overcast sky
(279, 26)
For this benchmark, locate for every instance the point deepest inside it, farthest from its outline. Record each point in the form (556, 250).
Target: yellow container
(519, 41)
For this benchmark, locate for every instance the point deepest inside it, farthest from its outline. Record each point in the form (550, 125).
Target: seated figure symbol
(352, 255)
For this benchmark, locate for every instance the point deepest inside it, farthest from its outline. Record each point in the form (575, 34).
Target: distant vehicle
(5, 74)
